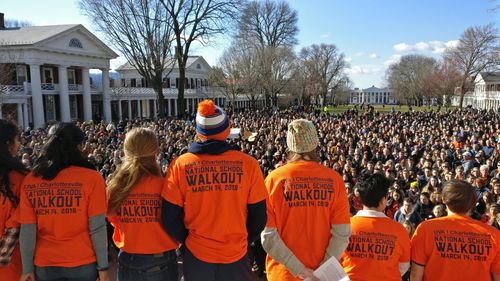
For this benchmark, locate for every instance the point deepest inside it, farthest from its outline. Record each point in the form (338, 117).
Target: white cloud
(348, 59)
(392, 59)
(364, 69)
(373, 56)
(422, 46)
(402, 47)
(359, 54)
(434, 46)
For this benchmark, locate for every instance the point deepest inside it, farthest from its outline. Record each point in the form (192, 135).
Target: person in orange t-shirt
(134, 209)
(456, 247)
(11, 175)
(308, 211)
(63, 213)
(214, 202)
(379, 247)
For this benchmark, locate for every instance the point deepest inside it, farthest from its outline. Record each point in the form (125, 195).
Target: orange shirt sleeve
(26, 212)
(271, 216)
(171, 190)
(340, 211)
(257, 191)
(418, 246)
(97, 198)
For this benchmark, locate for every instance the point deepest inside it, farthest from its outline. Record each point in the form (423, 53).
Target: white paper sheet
(331, 270)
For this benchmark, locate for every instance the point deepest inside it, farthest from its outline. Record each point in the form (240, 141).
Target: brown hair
(307, 156)
(459, 196)
(140, 147)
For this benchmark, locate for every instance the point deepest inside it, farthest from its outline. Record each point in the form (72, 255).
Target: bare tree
(442, 83)
(141, 31)
(197, 21)
(13, 23)
(228, 74)
(270, 28)
(408, 77)
(325, 66)
(478, 50)
(276, 67)
(269, 24)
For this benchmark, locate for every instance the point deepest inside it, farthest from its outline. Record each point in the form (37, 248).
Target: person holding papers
(307, 210)
(379, 247)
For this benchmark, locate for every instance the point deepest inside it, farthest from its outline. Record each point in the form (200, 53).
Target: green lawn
(382, 109)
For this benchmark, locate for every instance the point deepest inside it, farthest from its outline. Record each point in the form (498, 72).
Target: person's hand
(103, 276)
(307, 273)
(28, 277)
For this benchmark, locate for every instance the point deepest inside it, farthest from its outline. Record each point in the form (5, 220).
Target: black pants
(197, 270)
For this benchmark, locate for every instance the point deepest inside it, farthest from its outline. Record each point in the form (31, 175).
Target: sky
(372, 34)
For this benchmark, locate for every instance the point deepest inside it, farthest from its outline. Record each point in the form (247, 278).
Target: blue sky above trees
(371, 33)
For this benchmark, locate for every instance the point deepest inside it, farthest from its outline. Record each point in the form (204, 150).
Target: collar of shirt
(370, 214)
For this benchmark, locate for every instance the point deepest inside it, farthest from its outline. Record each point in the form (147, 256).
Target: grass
(383, 109)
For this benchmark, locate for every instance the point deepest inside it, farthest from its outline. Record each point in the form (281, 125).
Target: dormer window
(75, 43)
(198, 66)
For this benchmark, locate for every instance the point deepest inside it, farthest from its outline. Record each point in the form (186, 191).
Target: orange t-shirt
(214, 191)
(376, 247)
(8, 219)
(139, 216)
(305, 200)
(456, 248)
(61, 209)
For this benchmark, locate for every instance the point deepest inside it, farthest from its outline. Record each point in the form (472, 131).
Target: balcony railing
(12, 90)
(50, 87)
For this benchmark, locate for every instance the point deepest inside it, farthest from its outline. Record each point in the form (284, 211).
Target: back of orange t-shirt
(139, 216)
(376, 247)
(456, 248)
(305, 200)
(9, 219)
(61, 209)
(214, 191)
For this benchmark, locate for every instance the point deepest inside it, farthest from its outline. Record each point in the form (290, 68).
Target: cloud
(348, 59)
(373, 56)
(359, 54)
(364, 69)
(392, 59)
(434, 46)
(402, 47)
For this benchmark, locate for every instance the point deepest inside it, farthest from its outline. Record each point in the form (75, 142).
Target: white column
(105, 95)
(139, 109)
(87, 100)
(175, 108)
(155, 108)
(129, 110)
(36, 96)
(120, 111)
(20, 114)
(169, 107)
(148, 109)
(64, 94)
(25, 116)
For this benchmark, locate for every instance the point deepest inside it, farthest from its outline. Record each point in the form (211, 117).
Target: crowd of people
(416, 152)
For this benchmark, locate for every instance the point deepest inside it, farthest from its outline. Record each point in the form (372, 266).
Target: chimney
(2, 21)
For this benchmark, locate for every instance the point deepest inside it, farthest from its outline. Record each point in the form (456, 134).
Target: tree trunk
(161, 101)
(462, 94)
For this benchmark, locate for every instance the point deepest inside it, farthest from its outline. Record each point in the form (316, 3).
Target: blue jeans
(86, 272)
(198, 270)
(153, 267)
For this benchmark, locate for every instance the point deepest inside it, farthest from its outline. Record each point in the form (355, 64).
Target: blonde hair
(306, 156)
(140, 148)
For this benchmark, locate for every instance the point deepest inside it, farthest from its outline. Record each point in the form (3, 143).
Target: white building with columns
(45, 74)
(134, 98)
(372, 95)
(486, 94)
